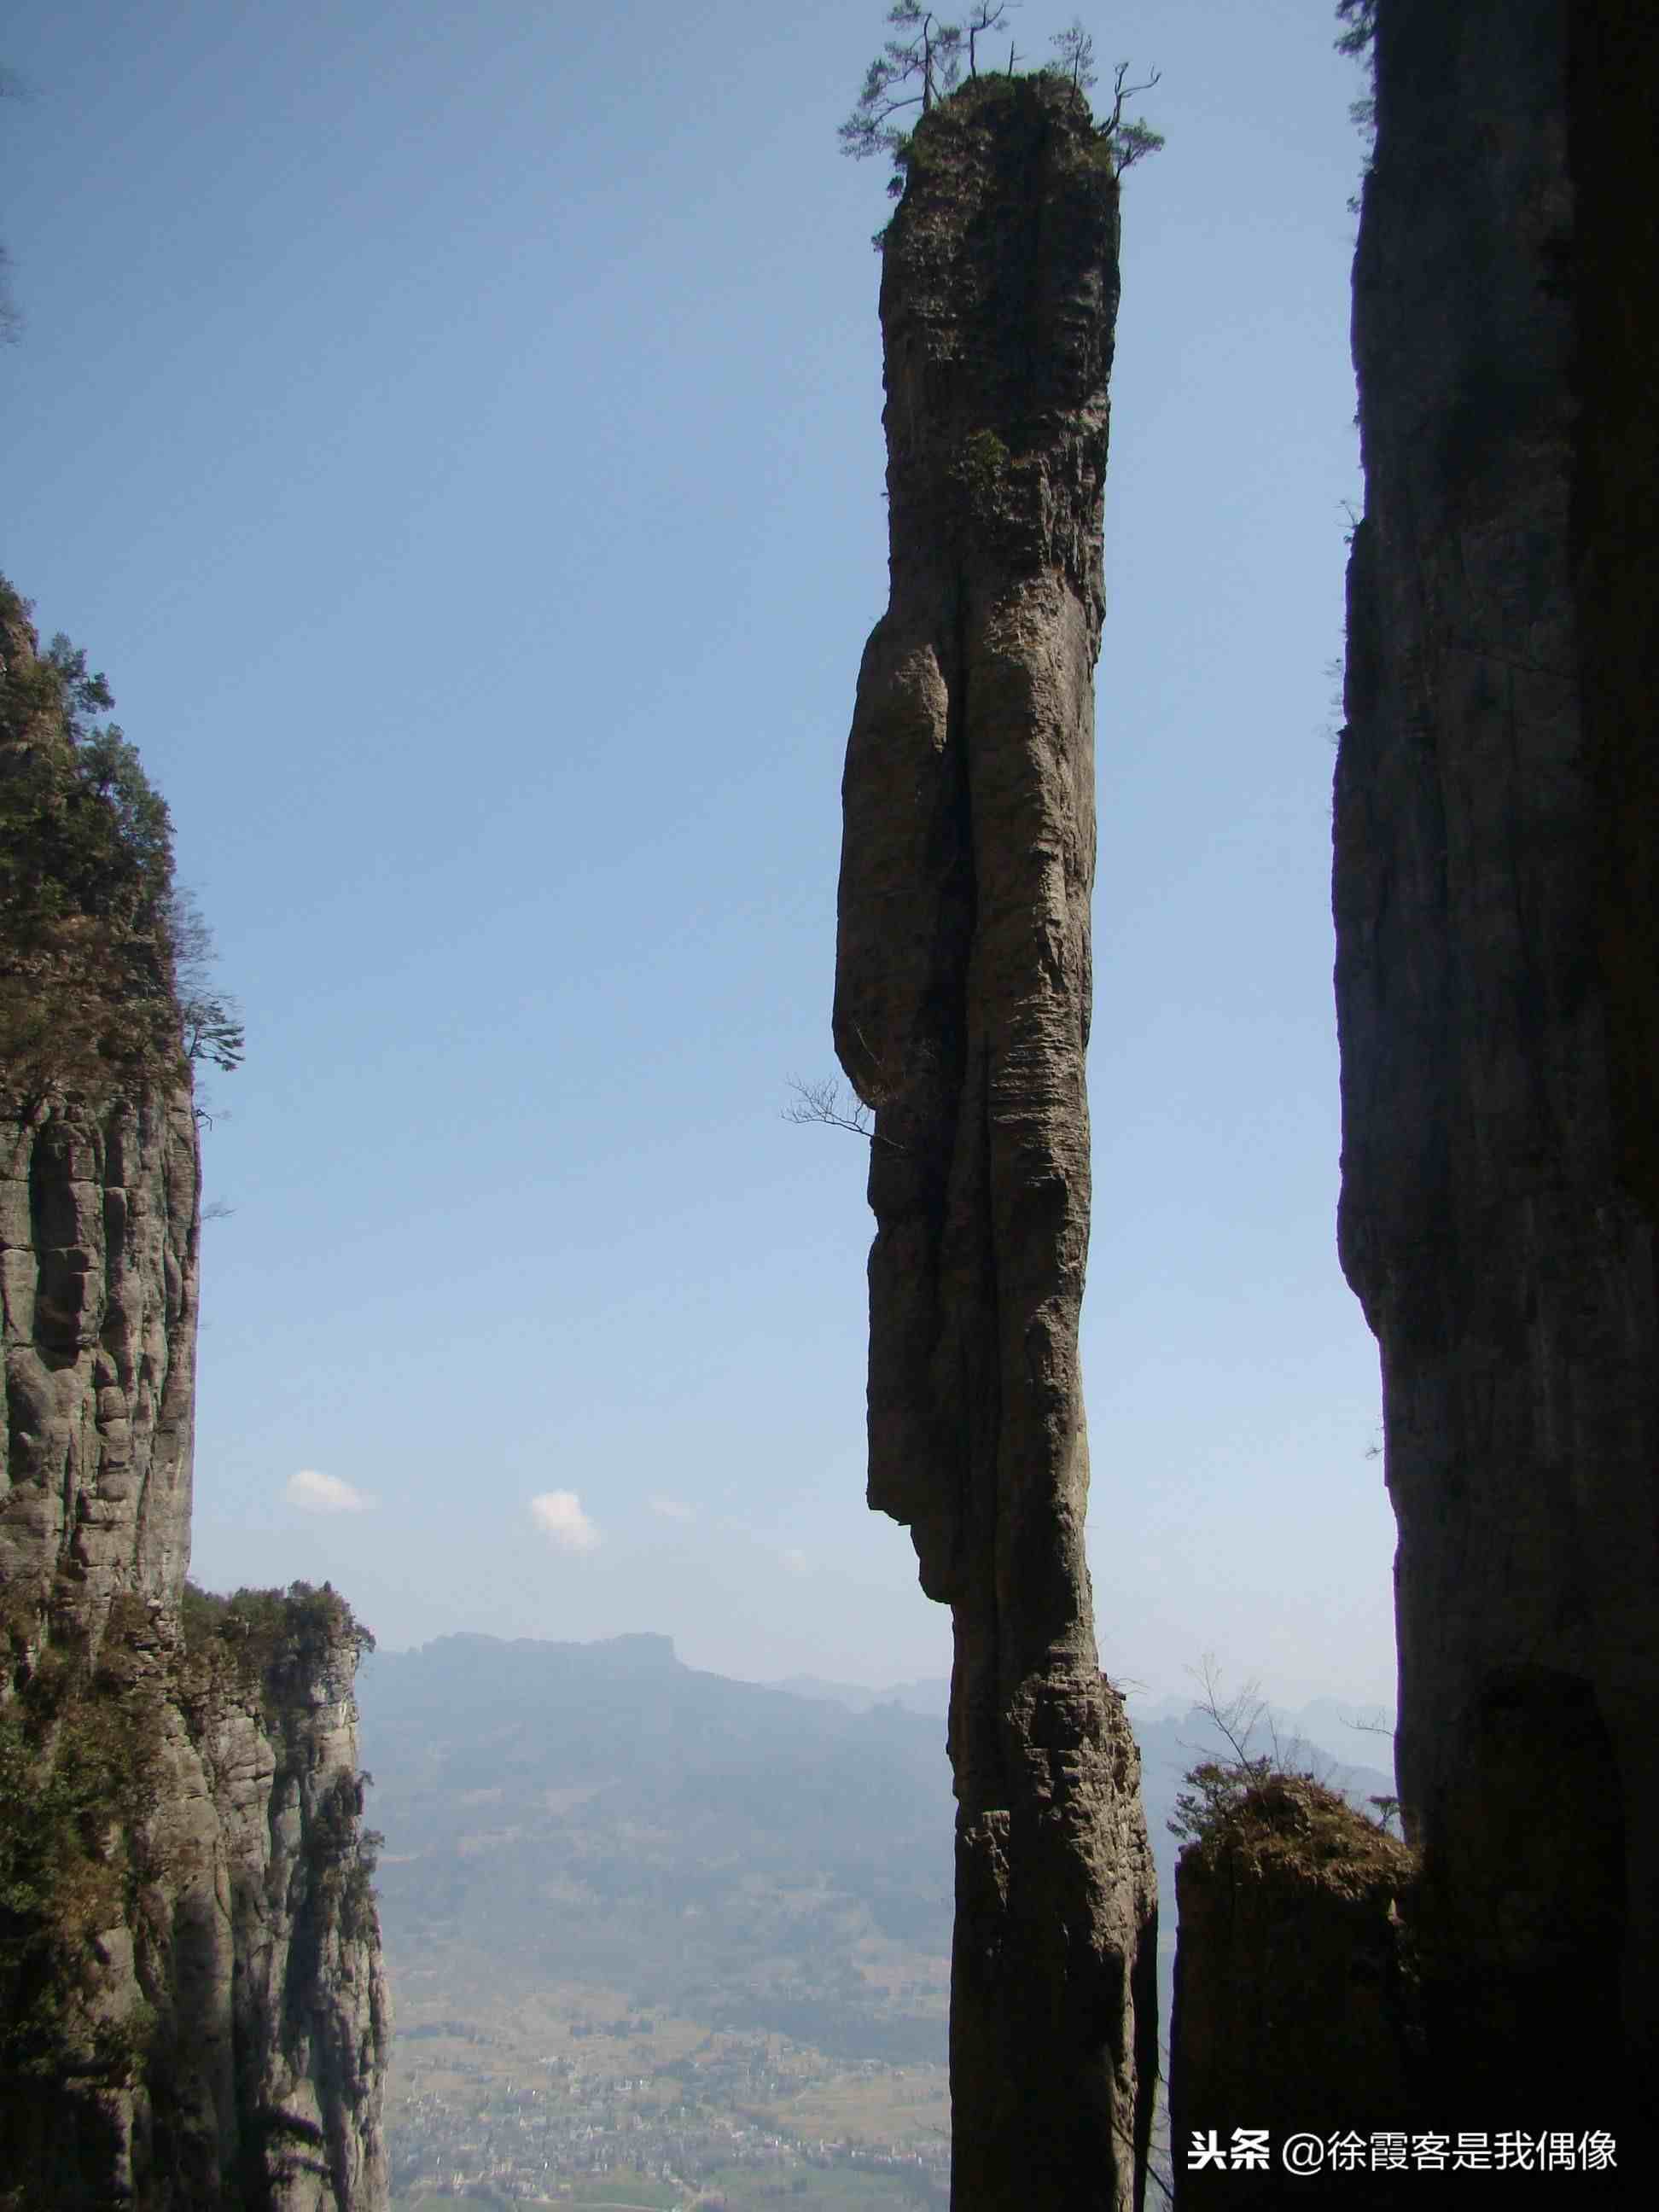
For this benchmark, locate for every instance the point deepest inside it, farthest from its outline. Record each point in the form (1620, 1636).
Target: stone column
(963, 994)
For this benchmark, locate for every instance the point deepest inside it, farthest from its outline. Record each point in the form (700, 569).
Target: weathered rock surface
(97, 1234)
(963, 994)
(1295, 1998)
(1497, 943)
(223, 2041)
(193, 2011)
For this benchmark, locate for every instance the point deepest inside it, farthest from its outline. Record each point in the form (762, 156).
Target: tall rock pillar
(1498, 946)
(962, 991)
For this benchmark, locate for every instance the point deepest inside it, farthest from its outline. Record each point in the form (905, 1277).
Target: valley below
(660, 1939)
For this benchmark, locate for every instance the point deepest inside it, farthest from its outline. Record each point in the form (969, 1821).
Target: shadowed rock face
(962, 990)
(1294, 2003)
(1496, 956)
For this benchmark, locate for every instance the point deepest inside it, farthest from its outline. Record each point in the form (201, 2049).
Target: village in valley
(647, 2110)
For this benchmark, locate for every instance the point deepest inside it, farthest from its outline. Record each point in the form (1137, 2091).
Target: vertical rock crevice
(961, 1010)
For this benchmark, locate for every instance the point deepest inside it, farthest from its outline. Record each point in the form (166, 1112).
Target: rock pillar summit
(962, 990)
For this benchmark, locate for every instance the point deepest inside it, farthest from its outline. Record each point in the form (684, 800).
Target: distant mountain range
(599, 1814)
(1330, 1727)
(1173, 1734)
(931, 1698)
(756, 1855)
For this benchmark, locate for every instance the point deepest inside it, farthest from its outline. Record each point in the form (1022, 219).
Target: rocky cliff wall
(195, 2009)
(191, 2006)
(1496, 955)
(98, 1270)
(270, 1972)
(963, 994)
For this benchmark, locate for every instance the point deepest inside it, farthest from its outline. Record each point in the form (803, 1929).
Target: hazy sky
(457, 433)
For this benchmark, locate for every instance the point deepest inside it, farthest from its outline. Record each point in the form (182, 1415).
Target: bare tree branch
(1215, 1787)
(1130, 142)
(821, 1102)
(826, 1104)
(987, 16)
(1075, 49)
(1238, 1719)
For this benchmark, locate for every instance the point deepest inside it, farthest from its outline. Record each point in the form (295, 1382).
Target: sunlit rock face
(98, 1268)
(1497, 912)
(198, 2011)
(963, 994)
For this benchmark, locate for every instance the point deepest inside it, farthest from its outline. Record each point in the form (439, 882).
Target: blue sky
(458, 435)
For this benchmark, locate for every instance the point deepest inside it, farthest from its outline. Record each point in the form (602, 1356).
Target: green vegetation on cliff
(922, 68)
(102, 962)
(1238, 1786)
(79, 1743)
(82, 1776)
(268, 1629)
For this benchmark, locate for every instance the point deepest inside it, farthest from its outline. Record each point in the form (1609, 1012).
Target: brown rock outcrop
(1295, 1996)
(1497, 950)
(963, 992)
(193, 2011)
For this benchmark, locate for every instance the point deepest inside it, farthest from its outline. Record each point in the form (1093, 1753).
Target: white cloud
(314, 1492)
(674, 1509)
(558, 1514)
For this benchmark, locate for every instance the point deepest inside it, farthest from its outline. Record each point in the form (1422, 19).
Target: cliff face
(278, 2001)
(1495, 954)
(963, 992)
(98, 1237)
(191, 2007)
(189, 1949)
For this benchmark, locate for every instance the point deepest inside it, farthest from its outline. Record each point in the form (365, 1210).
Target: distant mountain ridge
(1335, 1728)
(1327, 1733)
(601, 1813)
(767, 1856)
(930, 1696)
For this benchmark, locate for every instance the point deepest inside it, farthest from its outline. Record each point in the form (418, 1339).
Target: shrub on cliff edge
(95, 941)
(922, 68)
